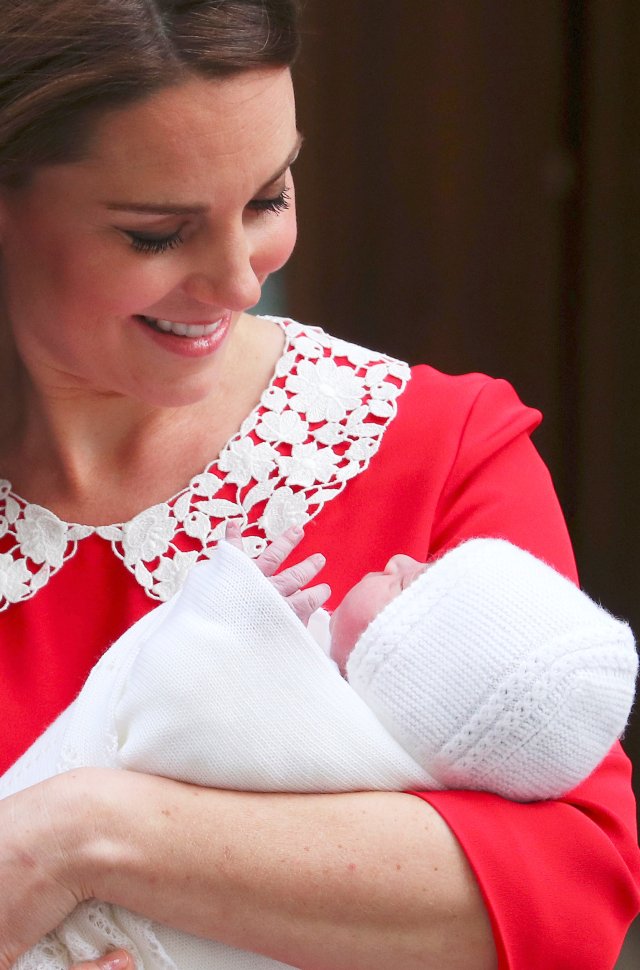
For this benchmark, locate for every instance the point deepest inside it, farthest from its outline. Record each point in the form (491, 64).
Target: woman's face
(182, 207)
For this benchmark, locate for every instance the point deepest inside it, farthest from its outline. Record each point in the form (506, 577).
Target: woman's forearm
(321, 882)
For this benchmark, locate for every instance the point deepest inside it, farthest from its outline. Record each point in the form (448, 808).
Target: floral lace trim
(318, 425)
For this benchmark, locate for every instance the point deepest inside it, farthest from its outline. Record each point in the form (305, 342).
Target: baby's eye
(277, 204)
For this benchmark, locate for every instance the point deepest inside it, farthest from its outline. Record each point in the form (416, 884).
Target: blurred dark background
(468, 197)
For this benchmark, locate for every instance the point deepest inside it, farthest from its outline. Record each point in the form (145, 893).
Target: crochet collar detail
(317, 425)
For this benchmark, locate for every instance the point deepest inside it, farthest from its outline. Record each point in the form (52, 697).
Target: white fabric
(497, 673)
(257, 706)
(223, 687)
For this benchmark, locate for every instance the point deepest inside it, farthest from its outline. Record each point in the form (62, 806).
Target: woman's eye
(155, 244)
(278, 204)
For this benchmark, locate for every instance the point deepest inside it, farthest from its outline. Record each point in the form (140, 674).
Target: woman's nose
(224, 276)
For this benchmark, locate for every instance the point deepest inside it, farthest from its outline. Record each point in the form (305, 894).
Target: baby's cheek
(340, 648)
(355, 613)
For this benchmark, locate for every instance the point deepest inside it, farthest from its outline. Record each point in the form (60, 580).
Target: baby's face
(365, 600)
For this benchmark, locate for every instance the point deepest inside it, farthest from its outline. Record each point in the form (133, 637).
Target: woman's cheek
(275, 248)
(140, 282)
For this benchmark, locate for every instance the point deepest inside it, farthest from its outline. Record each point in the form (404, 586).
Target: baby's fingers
(307, 601)
(295, 577)
(277, 551)
(233, 534)
(290, 582)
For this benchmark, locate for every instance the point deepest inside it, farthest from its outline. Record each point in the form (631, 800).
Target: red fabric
(561, 879)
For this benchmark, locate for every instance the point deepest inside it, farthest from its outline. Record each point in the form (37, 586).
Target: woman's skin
(326, 882)
(360, 881)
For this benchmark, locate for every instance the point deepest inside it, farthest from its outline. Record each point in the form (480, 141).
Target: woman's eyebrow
(174, 209)
(154, 208)
(290, 160)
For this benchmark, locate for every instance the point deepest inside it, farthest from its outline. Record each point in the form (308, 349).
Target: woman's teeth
(184, 329)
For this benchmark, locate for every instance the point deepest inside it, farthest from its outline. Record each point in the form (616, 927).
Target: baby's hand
(289, 582)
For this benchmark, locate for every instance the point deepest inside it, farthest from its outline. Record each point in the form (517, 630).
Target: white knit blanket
(254, 704)
(495, 672)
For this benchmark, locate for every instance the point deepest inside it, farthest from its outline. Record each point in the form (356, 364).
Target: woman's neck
(100, 458)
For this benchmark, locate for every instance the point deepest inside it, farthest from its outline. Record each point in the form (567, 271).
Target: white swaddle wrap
(498, 674)
(255, 704)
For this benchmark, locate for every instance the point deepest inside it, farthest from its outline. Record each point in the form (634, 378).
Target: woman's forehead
(237, 127)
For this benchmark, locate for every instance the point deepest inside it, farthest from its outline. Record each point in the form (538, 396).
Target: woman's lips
(181, 329)
(193, 339)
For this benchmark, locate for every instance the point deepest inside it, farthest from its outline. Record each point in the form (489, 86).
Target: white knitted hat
(497, 673)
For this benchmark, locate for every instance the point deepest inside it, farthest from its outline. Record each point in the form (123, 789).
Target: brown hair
(65, 62)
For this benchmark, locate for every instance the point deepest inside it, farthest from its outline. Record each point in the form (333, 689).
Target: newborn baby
(497, 694)
(365, 600)
(484, 669)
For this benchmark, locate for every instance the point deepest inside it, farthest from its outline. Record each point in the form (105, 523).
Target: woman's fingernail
(115, 961)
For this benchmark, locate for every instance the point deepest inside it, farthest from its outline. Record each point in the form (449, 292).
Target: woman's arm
(326, 882)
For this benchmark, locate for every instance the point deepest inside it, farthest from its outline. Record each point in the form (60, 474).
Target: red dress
(374, 466)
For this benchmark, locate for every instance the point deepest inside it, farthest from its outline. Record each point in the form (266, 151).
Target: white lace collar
(318, 424)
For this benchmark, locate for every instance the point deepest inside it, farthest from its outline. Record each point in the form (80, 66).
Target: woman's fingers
(118, 960)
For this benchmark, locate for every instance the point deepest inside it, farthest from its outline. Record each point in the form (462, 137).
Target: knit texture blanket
(223, 687)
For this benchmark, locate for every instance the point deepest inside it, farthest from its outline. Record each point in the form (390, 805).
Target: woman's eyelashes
(154, 245)
(143, 243)
(277, 204)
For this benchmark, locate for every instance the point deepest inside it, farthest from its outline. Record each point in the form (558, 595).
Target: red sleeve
(561, 879)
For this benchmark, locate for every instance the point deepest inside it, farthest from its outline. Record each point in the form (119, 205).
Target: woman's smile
(187, 339)
(190, 330)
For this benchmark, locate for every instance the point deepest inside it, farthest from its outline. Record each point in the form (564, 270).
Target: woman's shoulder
(420, 403)
(424, 382)
(424, 385)
(460, 408)
(308, 342)
(438, 393)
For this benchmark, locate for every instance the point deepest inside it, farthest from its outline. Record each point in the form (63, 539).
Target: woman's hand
(39, 868)
(42, 833)
(36, 865)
